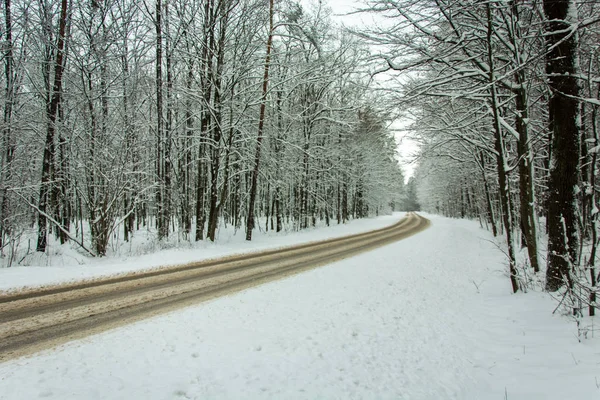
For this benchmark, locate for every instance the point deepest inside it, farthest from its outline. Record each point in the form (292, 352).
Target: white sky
(407, 148)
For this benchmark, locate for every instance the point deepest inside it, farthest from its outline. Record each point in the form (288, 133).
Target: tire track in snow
(39, 319)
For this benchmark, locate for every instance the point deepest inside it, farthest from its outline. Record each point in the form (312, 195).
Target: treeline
(178, 116)
(505, 96)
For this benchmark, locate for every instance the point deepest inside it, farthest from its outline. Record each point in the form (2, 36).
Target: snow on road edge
(229, 243)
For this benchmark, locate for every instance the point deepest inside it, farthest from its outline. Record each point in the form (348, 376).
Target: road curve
(37, 319)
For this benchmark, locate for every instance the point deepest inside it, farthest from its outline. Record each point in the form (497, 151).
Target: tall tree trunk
(278, 155)
(63, 201)
(261, 124)
(561, 69)
(128, 204)
(593, 217)
(488, 198)
(7, 134)
(525, 151)
(52, 106)
(186, 170)
(200, 191)
(206, 119)
(500, 157)
(227, 167)
(162, 228)
(168, 131)
(223, 11)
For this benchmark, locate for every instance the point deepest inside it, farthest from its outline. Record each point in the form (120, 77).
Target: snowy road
(429, 317)
(42, 318)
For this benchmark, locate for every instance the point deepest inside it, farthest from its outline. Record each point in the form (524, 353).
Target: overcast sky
(407, 147)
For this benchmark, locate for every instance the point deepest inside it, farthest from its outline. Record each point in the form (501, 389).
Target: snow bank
(72, 266)
(430, 317)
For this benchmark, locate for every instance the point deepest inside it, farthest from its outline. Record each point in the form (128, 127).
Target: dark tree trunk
(561, 70)
(278, 155)
(227, 167)
(344, 202)
(165, 217)
(524, 148)
(594, 220)
(127, 202)
(54, 100)
(63, 202)
(215, 205)
(7, 134)
(500, 158)
(488, 198)
(200, 191)
(526, 175)
(206, 119)
(261, 124)
(186, 214)
(338, 205)
(163, 229)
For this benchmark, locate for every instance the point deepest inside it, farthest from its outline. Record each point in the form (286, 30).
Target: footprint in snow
(181, 393)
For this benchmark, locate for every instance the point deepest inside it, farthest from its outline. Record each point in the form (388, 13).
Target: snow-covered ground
(429, 317)
(65, 264)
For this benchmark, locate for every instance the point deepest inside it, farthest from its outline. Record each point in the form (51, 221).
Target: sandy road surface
(33, 320)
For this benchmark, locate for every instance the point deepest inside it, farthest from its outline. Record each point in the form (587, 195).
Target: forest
(177, 117)
(504, 97)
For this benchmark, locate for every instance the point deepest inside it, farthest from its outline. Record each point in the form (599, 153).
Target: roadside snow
(69, 266)
(429, 317)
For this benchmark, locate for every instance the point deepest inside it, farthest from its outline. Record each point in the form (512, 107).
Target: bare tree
(261, 125)
(53, 101)
(563, 109)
